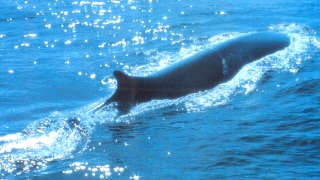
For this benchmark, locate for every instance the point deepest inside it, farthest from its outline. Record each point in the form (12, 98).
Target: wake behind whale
(199, 72)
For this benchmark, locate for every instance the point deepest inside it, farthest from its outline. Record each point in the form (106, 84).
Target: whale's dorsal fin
(124, 81)
(126, 91)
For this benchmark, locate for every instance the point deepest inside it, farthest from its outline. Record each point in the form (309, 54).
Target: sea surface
(56, 64)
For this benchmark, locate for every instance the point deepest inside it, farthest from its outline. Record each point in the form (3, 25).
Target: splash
(55, 137)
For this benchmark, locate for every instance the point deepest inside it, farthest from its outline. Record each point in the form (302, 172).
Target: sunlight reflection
(104, 171)
(135, 177)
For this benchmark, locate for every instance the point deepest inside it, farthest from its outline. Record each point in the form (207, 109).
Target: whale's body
(199, 72)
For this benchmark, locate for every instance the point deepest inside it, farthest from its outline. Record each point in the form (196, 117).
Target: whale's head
(267, 43)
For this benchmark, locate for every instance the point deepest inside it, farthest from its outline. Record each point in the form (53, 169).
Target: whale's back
(242, 50)
(255, 45)
(196, 73)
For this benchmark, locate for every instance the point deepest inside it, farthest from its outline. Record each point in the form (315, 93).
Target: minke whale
(199, 72)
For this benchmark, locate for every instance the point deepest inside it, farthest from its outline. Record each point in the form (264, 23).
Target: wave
(62, 134)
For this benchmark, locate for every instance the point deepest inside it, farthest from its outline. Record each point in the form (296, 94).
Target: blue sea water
(56, 64)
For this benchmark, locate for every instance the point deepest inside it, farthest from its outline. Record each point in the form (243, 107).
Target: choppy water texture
(56, 64)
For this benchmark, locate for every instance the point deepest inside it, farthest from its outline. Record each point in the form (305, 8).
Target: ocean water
(56, 64)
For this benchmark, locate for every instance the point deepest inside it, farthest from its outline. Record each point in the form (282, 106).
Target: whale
(199, 72)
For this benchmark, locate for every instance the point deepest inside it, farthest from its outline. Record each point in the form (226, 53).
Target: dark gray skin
(199, 72)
